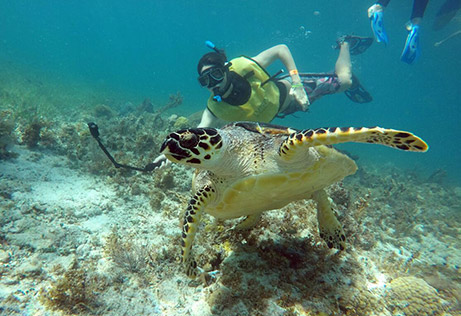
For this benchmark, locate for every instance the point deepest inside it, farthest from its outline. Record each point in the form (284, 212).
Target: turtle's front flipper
(335, 135)
(329, 227)
(191, 222)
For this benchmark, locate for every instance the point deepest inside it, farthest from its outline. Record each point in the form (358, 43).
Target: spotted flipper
(329, 227)
(335, 135)
(191, 222)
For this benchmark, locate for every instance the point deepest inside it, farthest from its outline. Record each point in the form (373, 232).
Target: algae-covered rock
(7, 126)
(76, 292)
(103, 111)
(181, 122)
(31, 135)
(412, 296)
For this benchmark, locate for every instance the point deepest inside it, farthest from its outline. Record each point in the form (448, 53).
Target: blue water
(151, 48)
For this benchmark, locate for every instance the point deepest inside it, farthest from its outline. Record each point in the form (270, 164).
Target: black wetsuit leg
(419, 6)
(383, 3)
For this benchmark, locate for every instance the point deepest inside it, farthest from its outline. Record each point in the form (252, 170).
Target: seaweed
(7, 126)
(31, 135)
(126, 253)
(76, 292)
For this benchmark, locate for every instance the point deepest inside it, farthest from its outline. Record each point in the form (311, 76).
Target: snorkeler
(242, 90)
(412, 48)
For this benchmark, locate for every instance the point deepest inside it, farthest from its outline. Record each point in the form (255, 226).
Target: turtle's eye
(188, 140)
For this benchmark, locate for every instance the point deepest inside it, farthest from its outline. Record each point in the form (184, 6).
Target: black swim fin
(357, 44)
(357, 92)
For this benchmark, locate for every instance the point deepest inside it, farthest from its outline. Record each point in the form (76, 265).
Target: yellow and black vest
(263, 104)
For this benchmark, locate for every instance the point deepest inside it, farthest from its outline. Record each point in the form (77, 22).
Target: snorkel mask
(211, 77)
(215, 75)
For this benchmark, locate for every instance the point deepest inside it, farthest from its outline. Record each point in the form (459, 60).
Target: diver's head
(212, 77)
(212, 70)
(212, 59)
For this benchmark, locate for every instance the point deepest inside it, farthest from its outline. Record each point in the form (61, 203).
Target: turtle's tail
(334, 135)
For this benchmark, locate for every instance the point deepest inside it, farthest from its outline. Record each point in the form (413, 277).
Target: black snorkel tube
(217, 91)
(212, 46)
(94, 130)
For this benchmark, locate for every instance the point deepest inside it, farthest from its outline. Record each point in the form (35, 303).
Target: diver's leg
(343, 67)
(419, 6)
(383, 3)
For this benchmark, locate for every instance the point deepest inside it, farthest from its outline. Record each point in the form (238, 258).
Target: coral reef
(103, 111)
(31, 134)
(7, 138)
(146, 106)
(181, 123)
(127, 254)
(79, 236)
(76, 292)
(412, 296)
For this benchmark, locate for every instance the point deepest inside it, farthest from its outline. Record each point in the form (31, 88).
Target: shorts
(316, 86)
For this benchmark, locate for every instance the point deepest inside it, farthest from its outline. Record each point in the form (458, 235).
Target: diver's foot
(357, 44)
(412, 49)
(357, 92)
(377, 26)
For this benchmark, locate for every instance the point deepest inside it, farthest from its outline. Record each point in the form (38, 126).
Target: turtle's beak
(171, 149)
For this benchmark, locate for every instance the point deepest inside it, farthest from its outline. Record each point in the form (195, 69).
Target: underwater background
(64, 63)
(151, 48)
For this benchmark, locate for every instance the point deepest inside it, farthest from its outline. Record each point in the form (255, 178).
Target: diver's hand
(161, 162)
(297, 90)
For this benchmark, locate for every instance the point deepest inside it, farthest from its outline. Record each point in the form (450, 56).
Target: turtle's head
(196, 147)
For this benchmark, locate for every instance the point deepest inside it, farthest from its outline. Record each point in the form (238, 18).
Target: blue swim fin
(377, 25)
(412, 49)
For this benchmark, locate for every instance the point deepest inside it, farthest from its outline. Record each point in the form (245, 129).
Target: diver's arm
(209, 120)
(282, 52)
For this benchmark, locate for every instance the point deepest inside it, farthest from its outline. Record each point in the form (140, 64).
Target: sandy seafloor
(80, 237)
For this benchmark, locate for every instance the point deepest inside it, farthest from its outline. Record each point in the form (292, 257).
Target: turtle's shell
(252, 176)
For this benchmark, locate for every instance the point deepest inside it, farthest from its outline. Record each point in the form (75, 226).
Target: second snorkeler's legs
(419, 6)
(383, 3)
(343, 67)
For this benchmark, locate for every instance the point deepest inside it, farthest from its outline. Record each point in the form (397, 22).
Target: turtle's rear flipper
(336, 135)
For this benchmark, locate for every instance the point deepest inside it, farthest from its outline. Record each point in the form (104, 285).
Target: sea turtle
(246, 168)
